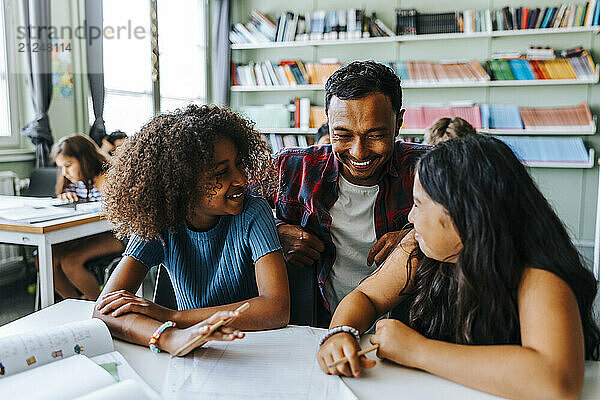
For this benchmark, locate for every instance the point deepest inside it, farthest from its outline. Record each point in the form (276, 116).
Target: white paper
(27, 351)
(125, 372)
(60, 380)
(279, 364)
(125, 390)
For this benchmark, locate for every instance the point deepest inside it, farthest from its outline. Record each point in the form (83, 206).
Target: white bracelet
(338, 329)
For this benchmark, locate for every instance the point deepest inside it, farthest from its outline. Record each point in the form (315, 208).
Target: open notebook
(71, 361)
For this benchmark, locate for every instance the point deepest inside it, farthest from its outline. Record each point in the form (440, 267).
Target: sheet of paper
(125, 372)
(128, 389)
(60, 380)
(31, 214)
(30, 350)
(277, 364)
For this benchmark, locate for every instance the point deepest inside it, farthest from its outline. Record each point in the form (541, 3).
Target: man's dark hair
(362, 78)
(116, 135)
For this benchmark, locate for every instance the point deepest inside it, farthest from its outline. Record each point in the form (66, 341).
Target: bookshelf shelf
(567, 131)
(276, 88)
(288, 131)
(433, 85)
(554, 164)
(411, 38)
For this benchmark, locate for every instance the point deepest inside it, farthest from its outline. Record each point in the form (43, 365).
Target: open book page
(127, 389)
(30, 350)
(271, 364)
(60, 380)
(125, 373)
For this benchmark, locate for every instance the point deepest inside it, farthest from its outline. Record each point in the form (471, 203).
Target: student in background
(179, 188)
(448, 128)
(487, 291)
(322, 136)
(80, 178)
(112, 141)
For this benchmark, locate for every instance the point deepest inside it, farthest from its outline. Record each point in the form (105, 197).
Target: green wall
(573, 192)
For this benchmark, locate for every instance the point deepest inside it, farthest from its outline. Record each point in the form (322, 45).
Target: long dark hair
(505, 225)
(91, 161)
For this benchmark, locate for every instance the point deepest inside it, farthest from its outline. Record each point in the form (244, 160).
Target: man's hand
(300, 248)
(384, 246)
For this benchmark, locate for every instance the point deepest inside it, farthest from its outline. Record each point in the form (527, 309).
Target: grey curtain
(36, 13)
(220, 58)
(95, 66)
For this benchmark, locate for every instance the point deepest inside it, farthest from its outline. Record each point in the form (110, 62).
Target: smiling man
(343, 207)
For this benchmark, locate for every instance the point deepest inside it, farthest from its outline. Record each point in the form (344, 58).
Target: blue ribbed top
(215, 267)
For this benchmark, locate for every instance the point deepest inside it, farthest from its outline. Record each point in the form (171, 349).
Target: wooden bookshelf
(410, 38)
(566, 131)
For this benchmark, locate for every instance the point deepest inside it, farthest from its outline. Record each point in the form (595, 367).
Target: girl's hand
(173, 339)
(338, 346)
(71, 197)
(121, 302)
(397, 342)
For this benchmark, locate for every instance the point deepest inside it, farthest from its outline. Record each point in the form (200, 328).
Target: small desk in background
(384, 381)
(47, 233)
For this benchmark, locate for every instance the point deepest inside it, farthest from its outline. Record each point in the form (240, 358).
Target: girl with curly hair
(80, 178)
(179, 189)
(487, 291)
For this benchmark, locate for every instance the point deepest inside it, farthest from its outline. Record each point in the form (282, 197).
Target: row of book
(356, 23)
(288, 26)
(576, 65)
(278, 142)
(284, 73)
(486, 116)
(298, 113)
(411, 22)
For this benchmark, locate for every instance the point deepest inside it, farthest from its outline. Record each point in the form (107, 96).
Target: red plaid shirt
(308, 188)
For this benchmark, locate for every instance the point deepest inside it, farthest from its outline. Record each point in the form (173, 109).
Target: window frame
(9, 11)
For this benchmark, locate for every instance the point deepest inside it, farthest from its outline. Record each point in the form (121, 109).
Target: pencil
(212, 330)
(360, 353)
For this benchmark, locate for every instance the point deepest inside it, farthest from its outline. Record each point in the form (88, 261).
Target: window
(8, 120)
(182, 45)
(128, 102)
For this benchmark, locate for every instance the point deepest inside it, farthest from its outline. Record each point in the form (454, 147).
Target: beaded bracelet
(338, 329)
(157, 333)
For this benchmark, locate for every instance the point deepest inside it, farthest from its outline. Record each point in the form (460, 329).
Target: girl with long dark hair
(80, 178)
(487, 290)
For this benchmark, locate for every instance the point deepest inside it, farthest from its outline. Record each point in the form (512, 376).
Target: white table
(47, 233)
(385, 381)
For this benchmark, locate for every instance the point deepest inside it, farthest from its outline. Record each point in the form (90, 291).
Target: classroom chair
(164, 295)
(42, 183)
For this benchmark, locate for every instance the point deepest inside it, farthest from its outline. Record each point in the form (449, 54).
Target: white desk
(385, 381)
(44, 235)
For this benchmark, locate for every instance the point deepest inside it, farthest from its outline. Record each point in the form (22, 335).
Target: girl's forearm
(264, 313)
(506, 371)
(346, 312)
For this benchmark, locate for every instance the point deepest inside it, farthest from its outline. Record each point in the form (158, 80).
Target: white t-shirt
(353, 234)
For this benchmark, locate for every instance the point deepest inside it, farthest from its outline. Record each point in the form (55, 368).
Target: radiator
(11, 256)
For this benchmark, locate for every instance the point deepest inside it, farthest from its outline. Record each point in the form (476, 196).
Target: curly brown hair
(157, 177)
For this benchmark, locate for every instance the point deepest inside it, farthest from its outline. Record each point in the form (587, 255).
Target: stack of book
(485, 116)
(431, 72)
(422, 117)
(575, 64)
(410, 21)
(284, 73)
(563, 16)
(536, 150)
(298, 113)
(349, 23)
(553, 118)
